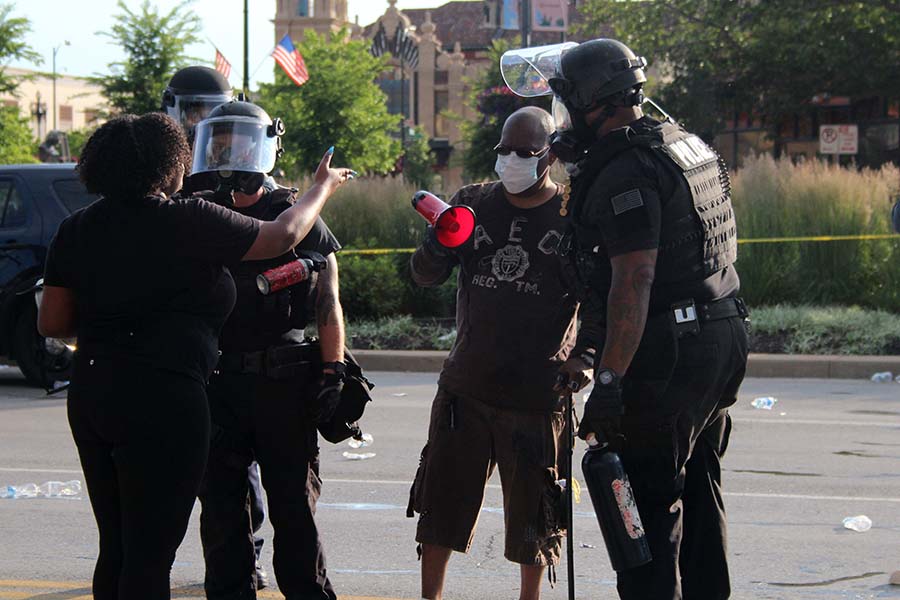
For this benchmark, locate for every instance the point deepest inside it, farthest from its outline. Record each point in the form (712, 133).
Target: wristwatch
(607, 378)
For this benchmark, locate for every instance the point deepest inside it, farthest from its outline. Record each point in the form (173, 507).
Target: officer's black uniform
(653, 185)
(260, 410)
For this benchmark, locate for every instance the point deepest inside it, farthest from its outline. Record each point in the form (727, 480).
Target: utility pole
(525, 22)
(55, 50)
(246, 48)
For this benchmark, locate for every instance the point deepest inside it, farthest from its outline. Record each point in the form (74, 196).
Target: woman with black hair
(138, 278)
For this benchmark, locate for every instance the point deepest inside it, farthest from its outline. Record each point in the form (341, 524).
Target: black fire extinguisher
(615, 507)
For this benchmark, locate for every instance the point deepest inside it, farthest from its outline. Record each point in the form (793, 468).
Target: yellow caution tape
(819, 238)
(576, 490)
(377, 251)
(773, 240)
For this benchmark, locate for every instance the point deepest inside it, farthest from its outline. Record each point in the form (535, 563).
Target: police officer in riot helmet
(268, 391)
(653, 237)
(192, 93)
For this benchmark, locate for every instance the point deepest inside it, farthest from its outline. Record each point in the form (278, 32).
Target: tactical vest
(281, 311)
(698, 235)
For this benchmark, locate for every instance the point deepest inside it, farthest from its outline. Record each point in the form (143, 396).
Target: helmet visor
(527, 71)
(190, 110)
(234, 144)
(561, 116)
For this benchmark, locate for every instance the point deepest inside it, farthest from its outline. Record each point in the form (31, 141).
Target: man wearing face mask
(654, 242)
(495, 405)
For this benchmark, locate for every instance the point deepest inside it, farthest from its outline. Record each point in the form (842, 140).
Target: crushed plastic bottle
(859, 523)
(883, 377)
(367, 440)
(355, 456)
(48, 489)
(764, 402)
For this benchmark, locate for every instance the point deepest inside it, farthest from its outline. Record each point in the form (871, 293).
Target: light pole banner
(549, 15)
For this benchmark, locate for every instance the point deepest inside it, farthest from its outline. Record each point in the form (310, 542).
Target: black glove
(432, 244)
(603, 416)
(328, 396)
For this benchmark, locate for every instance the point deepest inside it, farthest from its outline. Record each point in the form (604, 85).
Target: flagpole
(246, 47)
(402, 104)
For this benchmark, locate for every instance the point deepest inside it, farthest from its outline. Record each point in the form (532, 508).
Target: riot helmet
(192, 93)
(240, 142)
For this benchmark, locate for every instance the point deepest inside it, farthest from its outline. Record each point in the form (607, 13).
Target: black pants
(263, 419)
(142, 436)
(257, 507)
(677, 426)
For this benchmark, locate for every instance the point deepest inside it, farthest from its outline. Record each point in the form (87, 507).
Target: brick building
(452, 41)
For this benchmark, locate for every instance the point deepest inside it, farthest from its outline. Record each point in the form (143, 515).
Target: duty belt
(688, 314)
(277, 362)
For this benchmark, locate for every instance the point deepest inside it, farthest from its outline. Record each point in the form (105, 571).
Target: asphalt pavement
(827, 450)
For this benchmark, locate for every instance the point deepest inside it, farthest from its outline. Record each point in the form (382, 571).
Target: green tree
(77, 139)
(340, 105)
(494, 102)
(13, 46)
(155, 46)
(18, 142)
(770, 58)
(418, 160)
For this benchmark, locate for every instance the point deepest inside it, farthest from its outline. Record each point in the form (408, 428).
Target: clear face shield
(527, 71)
(561, 117)
(232, 143)
(190, 110)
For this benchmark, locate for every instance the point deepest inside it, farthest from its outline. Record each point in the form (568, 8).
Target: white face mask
(517, 173)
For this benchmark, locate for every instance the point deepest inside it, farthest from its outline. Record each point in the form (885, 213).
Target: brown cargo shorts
(466, 440)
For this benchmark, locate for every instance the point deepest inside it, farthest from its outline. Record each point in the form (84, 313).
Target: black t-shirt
(515, 311)
(243, 331)
(149, 279)
(626, 204)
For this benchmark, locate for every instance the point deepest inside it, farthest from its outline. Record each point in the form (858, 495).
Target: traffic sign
(838, 139)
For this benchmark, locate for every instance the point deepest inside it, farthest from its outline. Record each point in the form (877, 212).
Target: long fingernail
(330, 150)
(354, 173)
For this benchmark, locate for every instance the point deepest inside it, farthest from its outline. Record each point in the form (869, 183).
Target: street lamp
(39, 111)
(55, 50)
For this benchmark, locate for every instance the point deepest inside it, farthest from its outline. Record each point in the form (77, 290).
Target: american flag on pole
(222, 64)
(290, 60)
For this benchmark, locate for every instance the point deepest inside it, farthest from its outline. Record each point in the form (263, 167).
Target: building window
(441, 77)
(65, 113)
(90, 116)
(11, 103)
(304, 8)
(441, 104)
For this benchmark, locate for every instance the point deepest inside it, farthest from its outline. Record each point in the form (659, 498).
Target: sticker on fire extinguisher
(628, 508)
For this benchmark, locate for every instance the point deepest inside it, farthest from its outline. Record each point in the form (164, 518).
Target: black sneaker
(262, 578)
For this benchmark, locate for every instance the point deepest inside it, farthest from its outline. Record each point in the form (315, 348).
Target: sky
(53, 22)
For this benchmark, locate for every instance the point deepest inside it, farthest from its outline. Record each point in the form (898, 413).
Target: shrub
(373, 212)
(780, 199)
(370, 287)
(824, 330)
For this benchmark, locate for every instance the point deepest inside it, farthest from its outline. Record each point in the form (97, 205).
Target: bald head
(528, 128)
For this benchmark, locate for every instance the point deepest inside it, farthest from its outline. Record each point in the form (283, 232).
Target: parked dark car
(34, 199)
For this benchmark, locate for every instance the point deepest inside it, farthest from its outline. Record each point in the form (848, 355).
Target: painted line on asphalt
(33, 588)
(732, 494)
(497, 487)
(777, 420)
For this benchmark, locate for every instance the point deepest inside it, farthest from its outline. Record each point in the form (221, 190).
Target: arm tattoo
(628, 303)
(325, 309)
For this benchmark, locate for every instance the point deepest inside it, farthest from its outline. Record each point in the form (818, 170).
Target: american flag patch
(627, 201)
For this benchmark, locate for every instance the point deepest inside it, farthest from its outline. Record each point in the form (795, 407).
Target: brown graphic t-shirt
(515, 312)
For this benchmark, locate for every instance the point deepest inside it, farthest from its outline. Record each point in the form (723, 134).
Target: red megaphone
(453, 225)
